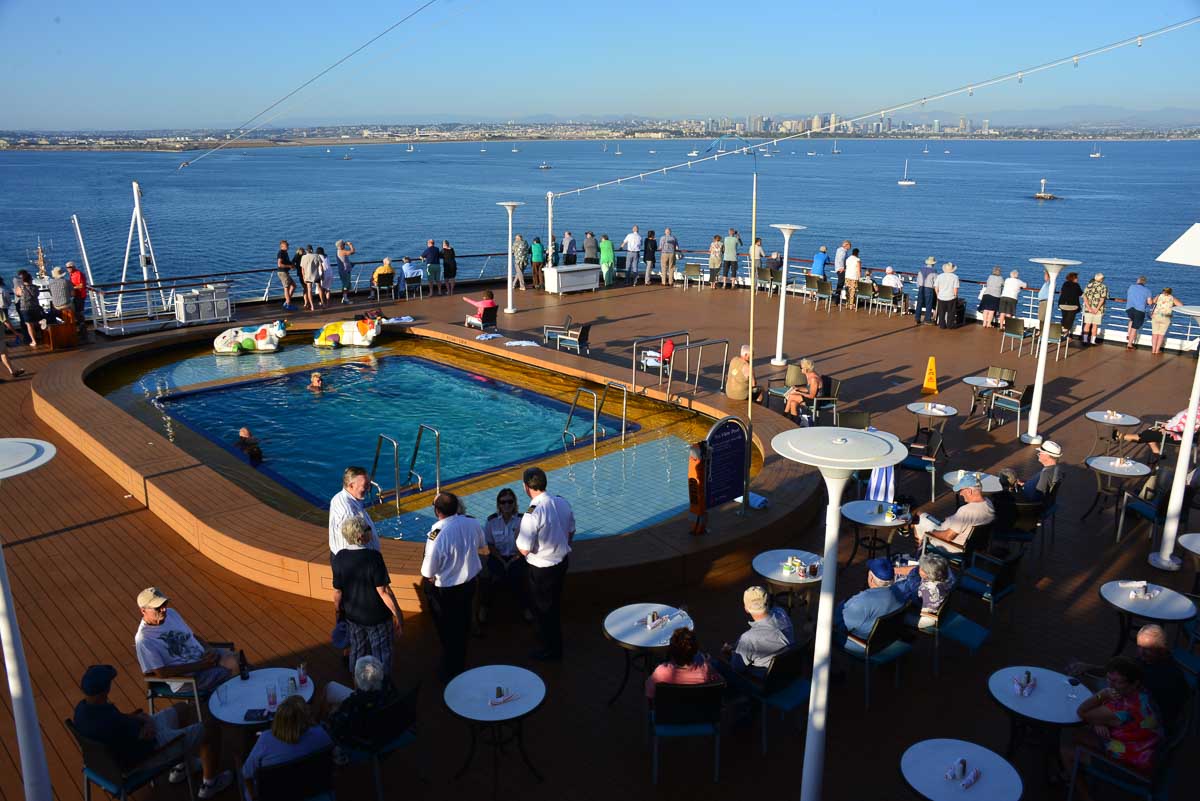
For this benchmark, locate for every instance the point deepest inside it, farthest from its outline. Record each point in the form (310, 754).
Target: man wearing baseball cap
(770, 633)
(140, 740)
(1034, 489)
(949, 537)
(854, 618)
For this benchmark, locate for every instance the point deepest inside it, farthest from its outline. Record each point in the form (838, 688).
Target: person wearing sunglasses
(505, 567)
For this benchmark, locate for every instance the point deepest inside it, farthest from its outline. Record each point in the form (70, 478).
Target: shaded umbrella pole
(814, 742)
(787, 230)
(1052, 267)
(1165, 558)
(509, 206)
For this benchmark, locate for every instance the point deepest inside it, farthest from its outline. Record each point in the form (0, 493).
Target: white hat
(948, 267)
(756, 599)
(931, 260)
(1051, 448)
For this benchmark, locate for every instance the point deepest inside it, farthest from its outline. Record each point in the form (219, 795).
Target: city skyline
(93, 68)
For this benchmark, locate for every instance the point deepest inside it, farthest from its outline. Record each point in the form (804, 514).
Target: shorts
(989, 303)
(1008, 306)
(166, 730)
(1159, 325)
(729, 268)
(285, 278)
(433, 272)
(1093, 319)
(208, 679)
(1137, 317)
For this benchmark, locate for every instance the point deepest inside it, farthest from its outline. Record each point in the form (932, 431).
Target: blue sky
(78, 64)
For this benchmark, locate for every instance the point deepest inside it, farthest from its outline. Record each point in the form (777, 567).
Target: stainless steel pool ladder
(699, 359)
(661, 339)
(624, 402)
(394, 493)
(596, 428)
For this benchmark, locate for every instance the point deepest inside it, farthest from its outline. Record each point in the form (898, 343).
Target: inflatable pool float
(348, 333)
(264, 338)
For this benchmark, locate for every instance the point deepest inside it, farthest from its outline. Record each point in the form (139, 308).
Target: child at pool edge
(248, 445)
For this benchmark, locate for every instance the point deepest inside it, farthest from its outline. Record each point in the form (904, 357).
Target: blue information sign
(726, 462)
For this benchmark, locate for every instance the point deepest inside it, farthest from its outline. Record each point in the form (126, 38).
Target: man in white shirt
(893, 280)
(547, 529)
(349, 503)
(950, 536)
(945, 287)
(632, 245)
(448, 573)
(839, 266)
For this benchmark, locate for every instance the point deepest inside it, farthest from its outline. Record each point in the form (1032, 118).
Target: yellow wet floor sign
(930, 385)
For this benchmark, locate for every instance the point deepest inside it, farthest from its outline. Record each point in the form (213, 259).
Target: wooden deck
(80, 544)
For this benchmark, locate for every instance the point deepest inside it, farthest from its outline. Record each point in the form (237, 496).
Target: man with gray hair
(344, 710)
(349, 503)
(769, 634)
(945, 289)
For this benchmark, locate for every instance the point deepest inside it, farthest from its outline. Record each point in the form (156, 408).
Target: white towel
(486, 337)
(521, 343)
(398, 320)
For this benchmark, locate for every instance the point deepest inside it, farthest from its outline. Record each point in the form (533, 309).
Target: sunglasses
(508, 502)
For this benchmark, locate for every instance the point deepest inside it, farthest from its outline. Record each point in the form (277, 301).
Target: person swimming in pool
(248, 445)
(316, 383)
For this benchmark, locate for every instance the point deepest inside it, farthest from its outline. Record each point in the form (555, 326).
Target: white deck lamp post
(1052, 268)
(19, 456)
(788, 229)
(1184, 250)
(509, 205)
(837, 453)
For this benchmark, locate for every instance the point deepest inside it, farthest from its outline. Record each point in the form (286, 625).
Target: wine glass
(1073, 688)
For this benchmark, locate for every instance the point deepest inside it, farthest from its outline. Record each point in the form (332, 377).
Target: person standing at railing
(839, 267)
(568, 249)
(1137, 298)
(1095, 298)
(989, 298)
(1160, 318)
(715, 251)
(310, 272)
(608, 260)
(819, 260)
(591, 249)
(296, 259)
(670, 253)
(327, 276)
(729, 258)
(283, 265)
(926, 297)
(946, 290)
(432, 257)
(537, 257)
(520, 251)
(649, 252)
(632, 245)
(345, 249)
(851, 273)
(79, 288)
(1008, 296)
(449, 265)
(1043, 299)
(1069, 298)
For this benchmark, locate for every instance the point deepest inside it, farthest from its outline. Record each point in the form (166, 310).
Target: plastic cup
(272, 696)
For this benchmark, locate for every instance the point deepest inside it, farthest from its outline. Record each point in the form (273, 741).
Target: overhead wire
(970, 88)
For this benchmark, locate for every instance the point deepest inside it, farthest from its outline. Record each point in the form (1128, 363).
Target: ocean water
(973, 206)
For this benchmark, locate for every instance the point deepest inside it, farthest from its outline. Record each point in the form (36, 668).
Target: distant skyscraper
(833, 122)
(816, 122)
(987, 126)
(937, 126)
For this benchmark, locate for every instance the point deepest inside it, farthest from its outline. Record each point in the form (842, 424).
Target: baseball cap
(967, 482)
(1051, 448)
(151, 598)
(97, 679)
(755, 599)
(881, 568)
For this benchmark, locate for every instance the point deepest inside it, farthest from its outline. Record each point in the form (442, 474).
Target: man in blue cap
(854, 618)
(138, 739)
(949, 536)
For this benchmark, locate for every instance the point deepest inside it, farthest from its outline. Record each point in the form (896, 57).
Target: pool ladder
(383, 495)
(597, 405)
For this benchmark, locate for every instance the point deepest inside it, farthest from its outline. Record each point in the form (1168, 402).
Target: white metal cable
(1018, 75)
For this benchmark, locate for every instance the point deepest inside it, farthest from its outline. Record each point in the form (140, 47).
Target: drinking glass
(1073, 689)
(272, 695)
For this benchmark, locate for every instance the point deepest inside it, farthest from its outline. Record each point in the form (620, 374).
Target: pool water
(308, 438)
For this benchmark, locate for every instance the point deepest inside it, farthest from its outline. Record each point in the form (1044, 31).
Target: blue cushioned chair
(883, 646)
(824, 293)
(991, 579)
(380, 732)
(160, 689)
(687, 710)
(550, 332)
(1034, 518)
(1153, 511)
(102, 769)
(576, 339)
(928, 461)
(1014, 328)
(1005, 401)
(948, 624)
(785, 687)
(309, 778)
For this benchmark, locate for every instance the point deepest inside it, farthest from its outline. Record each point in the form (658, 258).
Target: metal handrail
(566, 432)
(395, 469)
(699, 362)
(437, 463)
(624, 402)
(662, 339)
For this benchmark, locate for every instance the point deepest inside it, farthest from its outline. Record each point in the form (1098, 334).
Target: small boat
(766, 155)
(925, 152)
(1095, 154)
(411, 149)
(346, 157)
(906, 181)
(544, 166)
(812, 153)
(483, 147)
(653, 152)
(604, 147)
(946, 151)
(835, 150)
(515, 149)
(693, 153)
(618, 151)
(327, 150)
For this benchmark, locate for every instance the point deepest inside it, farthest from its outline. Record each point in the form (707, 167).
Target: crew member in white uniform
(505, 567)
(547, 528)
(449, 572)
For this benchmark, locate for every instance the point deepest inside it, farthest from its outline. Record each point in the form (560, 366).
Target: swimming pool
(308, 437)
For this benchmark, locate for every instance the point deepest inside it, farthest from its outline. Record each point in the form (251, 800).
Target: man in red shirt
(79, 288)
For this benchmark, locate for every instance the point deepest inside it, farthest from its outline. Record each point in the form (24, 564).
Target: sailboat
(835, 150)
(925, 152)
(604, 147)
(653, 152)
(483, 147)
(906, 181)
(515, 149)
(618, 149)
(1095, 154)
(411, 149)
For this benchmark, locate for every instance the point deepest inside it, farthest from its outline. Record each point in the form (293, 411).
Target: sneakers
(210, 789)
(180, 771)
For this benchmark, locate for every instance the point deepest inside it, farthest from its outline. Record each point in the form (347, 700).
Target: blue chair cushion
(1007, 404)
(963, 631)
(778, 392)
(355, 755)
(917, 463)
(685, 730)
(890, 654)
(790, 697)
(1141, 508)
(132, 782)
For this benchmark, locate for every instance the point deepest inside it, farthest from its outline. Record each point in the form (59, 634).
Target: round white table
(627, 628)
(991, 484)
(872, 515)
(1167, 606)
(924, 767)
(981, 386)
(1108, 424)
(231, 700)
(469, 696)
(769, 566)
(1050, 705)
(1191, 544)
(937, 413)
(1111, 474)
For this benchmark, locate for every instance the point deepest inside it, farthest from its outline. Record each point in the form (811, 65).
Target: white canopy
(1185, 249)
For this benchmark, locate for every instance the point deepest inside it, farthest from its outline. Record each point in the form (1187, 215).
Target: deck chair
(991, 579)
(809, 290)
(486, 321)
(885, 300)
(859, 420)
(386, 282)
(308, 778)
(381, 732)
(1014, 329)
(885, 644)
(189, 692)
(980, 395)
(1059, 339)
(576, 339)
(101, 768)
(866, 294)
(929, 461)
(414, 283)
(693, 272)
(687, 710)
(1010, 401)
(826, 402)
(824, 293)
(550, 332)
(785, 687)
(793, 377)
